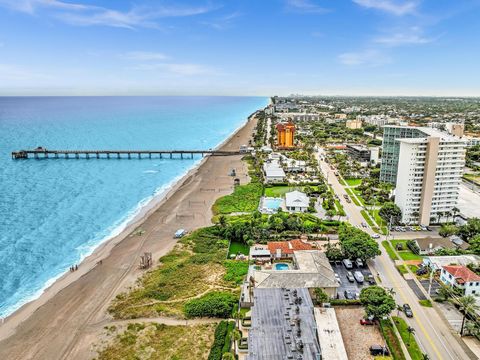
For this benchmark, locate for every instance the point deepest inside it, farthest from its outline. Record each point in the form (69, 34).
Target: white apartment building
(429, 174)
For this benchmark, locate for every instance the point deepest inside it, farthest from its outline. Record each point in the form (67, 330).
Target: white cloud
(144, 56)
(88, 15)
(223, 22)
(410, 36)
(369, 57)
(305, 6)
(398, 8)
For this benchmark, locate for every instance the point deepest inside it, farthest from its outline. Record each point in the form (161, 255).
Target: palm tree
(391, 291)
(399, 308)
(467, 305)
(228, 356)
(425, 357)
(455, 211)
(410, 331)
(222, 221)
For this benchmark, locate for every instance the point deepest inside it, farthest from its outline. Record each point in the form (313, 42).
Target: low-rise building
(437, 262)
(353, 124)
(273, 172)
(310, 269)
(462, 278)
(296, 201)
(430, 245)
(363, 153)
(283, 326)
(285, 249)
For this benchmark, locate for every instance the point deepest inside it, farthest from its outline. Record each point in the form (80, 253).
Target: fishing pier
(42, 153)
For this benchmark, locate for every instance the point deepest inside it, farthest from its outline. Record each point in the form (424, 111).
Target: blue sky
(240, 47)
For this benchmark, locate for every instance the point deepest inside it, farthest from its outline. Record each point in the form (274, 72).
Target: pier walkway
(42, 153)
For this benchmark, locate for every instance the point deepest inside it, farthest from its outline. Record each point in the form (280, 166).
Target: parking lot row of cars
(410, 228)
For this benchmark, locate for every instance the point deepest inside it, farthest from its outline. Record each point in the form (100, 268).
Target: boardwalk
(42, 153)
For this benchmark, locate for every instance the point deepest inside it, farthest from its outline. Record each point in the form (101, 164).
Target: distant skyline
(248, 47)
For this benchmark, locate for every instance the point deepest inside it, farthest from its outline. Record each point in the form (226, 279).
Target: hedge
(213, 304)
(221, 332)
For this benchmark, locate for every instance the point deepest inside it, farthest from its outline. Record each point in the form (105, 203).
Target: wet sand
(64, 322)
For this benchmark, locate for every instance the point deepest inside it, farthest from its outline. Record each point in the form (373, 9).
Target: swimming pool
(281, 266)
(272, 203)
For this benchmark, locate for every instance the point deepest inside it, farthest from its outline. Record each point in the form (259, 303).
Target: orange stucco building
(285, 135)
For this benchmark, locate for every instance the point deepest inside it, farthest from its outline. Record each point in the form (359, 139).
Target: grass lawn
(473, 177)
(392, 340)
(159, 342)
(353, 182)
(342, 182)
(408, 339)
(367, 218)
(238, 248)
(402, 269)
(359, 196)
(379, 221)
(352, 197)
(413, 268)
(406, 253)
(389, 250)
(245, 198)
(277, 191)
(339, 206)
(426, 303)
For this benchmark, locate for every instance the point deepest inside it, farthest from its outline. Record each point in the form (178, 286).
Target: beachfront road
(433, 335)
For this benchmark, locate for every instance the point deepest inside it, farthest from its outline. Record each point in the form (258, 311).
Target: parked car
(180, 233)
(349, 295)
(364, 224)
(358, 276)
(348, 200)
(379, 350)
(428, 228)
(407, 310)
(338, 279)
(375, 236)
(345, 196)
(424, 228)
(347, 263)
(350, 276)
(367, 322)
(359, 262)
(371, 279)
(422, 271)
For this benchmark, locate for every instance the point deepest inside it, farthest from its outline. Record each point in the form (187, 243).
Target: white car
(375, 236)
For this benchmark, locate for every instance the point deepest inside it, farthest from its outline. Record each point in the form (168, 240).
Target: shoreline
(103, 250)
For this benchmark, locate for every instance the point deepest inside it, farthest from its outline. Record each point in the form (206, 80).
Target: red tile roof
(461, 273)
(288, 247)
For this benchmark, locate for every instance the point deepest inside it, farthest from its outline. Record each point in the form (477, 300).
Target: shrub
(213, 304)
(218, 341)
(236, 270)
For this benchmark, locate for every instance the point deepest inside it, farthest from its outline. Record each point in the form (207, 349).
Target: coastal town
(338, 228)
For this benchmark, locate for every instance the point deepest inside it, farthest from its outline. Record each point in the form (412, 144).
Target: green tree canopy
(390, 211)
(470, 229)
(356, 243)
(377, 301)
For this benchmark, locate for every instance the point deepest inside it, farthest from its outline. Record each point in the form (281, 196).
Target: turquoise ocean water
(53, 213)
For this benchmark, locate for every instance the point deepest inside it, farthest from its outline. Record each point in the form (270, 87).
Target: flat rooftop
(329, 334)
(283, 326)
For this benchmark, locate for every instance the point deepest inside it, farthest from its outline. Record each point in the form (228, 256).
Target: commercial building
(377, 120)
(285, 135)
(353, 124)
(426, 165)
(363, 153)
(283, 326)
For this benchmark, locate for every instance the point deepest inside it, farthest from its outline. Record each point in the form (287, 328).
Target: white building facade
(429, 175)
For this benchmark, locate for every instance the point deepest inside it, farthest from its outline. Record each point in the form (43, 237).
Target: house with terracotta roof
(285, 249)
(461, 278)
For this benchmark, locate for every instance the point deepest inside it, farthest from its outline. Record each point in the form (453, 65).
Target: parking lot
(340, 269)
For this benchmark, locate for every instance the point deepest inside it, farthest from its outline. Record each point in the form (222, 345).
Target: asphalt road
(433, 335)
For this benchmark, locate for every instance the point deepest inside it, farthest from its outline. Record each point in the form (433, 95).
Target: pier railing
(42, 153)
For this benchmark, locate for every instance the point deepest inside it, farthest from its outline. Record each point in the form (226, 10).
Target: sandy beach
(63, 323)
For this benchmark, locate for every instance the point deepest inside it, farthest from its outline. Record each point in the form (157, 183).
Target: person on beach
(76, 267)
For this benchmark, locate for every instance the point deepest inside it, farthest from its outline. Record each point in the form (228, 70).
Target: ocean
(55, 212)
